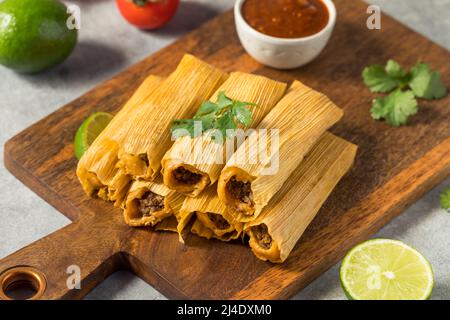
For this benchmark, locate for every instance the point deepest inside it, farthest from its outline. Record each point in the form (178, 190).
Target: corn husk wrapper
(133, 215)
(169, 224)
(198, 228)
(97, 170)
(292, 209)
(148, 137)
(301, 117)
(206, 157)
(193, 216)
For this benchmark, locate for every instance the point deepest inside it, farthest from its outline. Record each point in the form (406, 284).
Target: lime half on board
(383, 269)
(89, 130)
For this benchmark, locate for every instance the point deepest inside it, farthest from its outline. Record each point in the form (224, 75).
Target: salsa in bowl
(284, 34)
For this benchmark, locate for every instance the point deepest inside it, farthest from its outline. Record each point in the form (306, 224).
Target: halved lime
(383, 269)
(89, 130)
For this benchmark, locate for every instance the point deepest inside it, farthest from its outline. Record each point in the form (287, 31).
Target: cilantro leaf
(445, 199)
(182, 127)
(426, 83)
(393, 69)
(379, 111)
(207, 121)
(384, 79)
(376, 78)
(242, 113)
(226, 124)
(396, 108)
(206, 108)
(223, 101)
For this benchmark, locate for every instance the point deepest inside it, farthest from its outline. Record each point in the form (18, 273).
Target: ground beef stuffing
(150, 203)
(262, 235)
(241, 190)
(218, 220)
(186, 176)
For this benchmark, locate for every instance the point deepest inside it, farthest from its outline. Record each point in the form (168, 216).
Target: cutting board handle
(66, 264)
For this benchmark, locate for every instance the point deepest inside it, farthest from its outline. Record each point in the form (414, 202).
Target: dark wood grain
(394, 167)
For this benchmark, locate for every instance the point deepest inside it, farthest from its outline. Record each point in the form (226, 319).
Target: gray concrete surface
(107, 45)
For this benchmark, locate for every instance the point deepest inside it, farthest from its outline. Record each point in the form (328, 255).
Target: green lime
(383, 269)
(89, 130)
(34, 34)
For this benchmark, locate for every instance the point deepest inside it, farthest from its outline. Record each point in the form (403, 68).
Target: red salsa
(286, 18)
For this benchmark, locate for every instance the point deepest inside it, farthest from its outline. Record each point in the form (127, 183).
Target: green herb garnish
(445, 199)
(385, 79)
(425, 83)
(225, 116)
(397, 107)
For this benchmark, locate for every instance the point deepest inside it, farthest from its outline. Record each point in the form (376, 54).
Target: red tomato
(148, 14)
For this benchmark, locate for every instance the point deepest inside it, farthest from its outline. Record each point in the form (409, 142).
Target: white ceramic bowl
(283, 53)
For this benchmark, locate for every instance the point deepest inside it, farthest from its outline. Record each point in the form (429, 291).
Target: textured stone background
(108, 45)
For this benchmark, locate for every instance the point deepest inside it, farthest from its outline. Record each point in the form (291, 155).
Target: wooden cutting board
(394, 168)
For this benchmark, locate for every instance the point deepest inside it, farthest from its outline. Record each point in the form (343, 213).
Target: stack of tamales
(268, 185)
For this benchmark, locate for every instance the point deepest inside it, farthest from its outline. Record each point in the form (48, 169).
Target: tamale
(275, 232)
(150, 202)
(210, 219)
(192, 164)
(147, 137)
(261, 165)
(97, 170)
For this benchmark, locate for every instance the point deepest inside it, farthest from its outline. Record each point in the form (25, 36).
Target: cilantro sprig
(425, 83)
(396, 108)
(385, 79)
(225, 115)
(445, 199)
(401, 103)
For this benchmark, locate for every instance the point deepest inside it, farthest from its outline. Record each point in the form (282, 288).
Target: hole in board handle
(22, 283)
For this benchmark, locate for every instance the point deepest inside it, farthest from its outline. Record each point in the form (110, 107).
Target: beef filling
(241, 190)
(218, 220)
(261, 233)
(150, 203)
(185, 176)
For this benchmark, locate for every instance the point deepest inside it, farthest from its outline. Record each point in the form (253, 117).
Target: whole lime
(34, 34)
